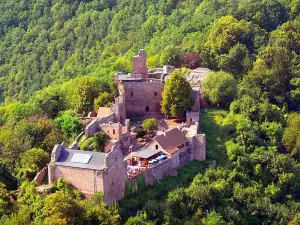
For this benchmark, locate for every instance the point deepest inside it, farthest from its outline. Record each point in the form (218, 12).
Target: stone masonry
(139, 64)
(139, 96)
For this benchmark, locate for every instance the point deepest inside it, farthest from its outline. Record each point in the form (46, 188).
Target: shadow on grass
(211, 123)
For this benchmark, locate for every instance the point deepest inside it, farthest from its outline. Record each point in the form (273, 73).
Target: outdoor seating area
(157, 160)
(144, 159)
(133, 171)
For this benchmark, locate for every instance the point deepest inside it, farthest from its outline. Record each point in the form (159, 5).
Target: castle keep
(125, 158)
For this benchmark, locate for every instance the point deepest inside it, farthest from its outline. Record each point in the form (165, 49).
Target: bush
(150, 124)
(140, 132)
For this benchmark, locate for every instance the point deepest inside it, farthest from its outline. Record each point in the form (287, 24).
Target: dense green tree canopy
(32, 161)
(57, 59)
(177, 95)
(219, 88)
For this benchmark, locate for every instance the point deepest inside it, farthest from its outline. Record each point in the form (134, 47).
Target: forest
(57, 61)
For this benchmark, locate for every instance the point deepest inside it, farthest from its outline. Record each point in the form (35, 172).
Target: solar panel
(81, 158)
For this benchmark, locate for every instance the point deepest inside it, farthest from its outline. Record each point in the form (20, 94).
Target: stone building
(90, 172)
(142, 91)
(140, 95)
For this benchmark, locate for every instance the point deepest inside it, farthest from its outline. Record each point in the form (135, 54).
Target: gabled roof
(96, 159)
(171, 139)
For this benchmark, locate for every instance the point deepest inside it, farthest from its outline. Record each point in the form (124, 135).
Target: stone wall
(192, 117)
(139, 64)
(93, 127)
(113, 130)
(56, 152)
(40, 176)
(167, 168)
(199, 146)
(115, 175)
(119, 108)
(86, 180)
(143, 99)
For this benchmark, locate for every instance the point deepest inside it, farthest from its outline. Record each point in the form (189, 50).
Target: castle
(124, 159)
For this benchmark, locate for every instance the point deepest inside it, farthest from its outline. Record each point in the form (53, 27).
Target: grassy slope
(216, 135)
(211, 123)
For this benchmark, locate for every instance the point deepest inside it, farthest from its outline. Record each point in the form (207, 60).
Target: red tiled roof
(171, 140)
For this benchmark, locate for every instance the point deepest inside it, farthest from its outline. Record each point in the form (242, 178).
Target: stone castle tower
(139, 64)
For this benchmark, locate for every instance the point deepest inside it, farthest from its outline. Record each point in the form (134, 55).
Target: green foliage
(220, 88)
(150, 124)
(104, 100)
(70, 126)
(68, 52)
(291, 135)
(213, 218)
(272, 73)
(62, 208)
(6, 176)
(85, 145)
(99, 141)
(140, 132)
(176, 97)
(4, 200)
(31, 162)
(84, 96)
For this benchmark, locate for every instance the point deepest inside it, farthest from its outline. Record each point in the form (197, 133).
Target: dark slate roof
(96, 162)
(147, 153)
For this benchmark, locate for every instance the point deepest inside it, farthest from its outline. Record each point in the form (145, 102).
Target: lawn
(211, 123)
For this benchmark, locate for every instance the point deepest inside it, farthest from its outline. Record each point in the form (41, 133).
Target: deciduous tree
(177, 95)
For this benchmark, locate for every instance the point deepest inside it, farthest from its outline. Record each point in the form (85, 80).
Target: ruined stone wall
(56, 152)
(86, 180)
(40, 176)
(192, 117)
(93, 127)
(167, 168)
(199, 146)
(113, 130)
(139, 64)
(143, 99)
(196, 98)
(118, 108)
(115, 176)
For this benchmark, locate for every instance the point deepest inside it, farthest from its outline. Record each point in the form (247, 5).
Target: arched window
(147, 109)
(114, 132)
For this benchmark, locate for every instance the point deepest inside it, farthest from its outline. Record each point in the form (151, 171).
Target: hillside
(57, 61)
(42, 42)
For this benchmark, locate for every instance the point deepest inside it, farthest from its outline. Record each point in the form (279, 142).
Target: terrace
(138, 162)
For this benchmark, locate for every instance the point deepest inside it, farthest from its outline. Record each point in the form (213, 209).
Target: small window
(155, 93)
(116, 160)
(114, 132)
(187, 143)
(156, 146)
(112, 183)
(131, 94)
(147, 109)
